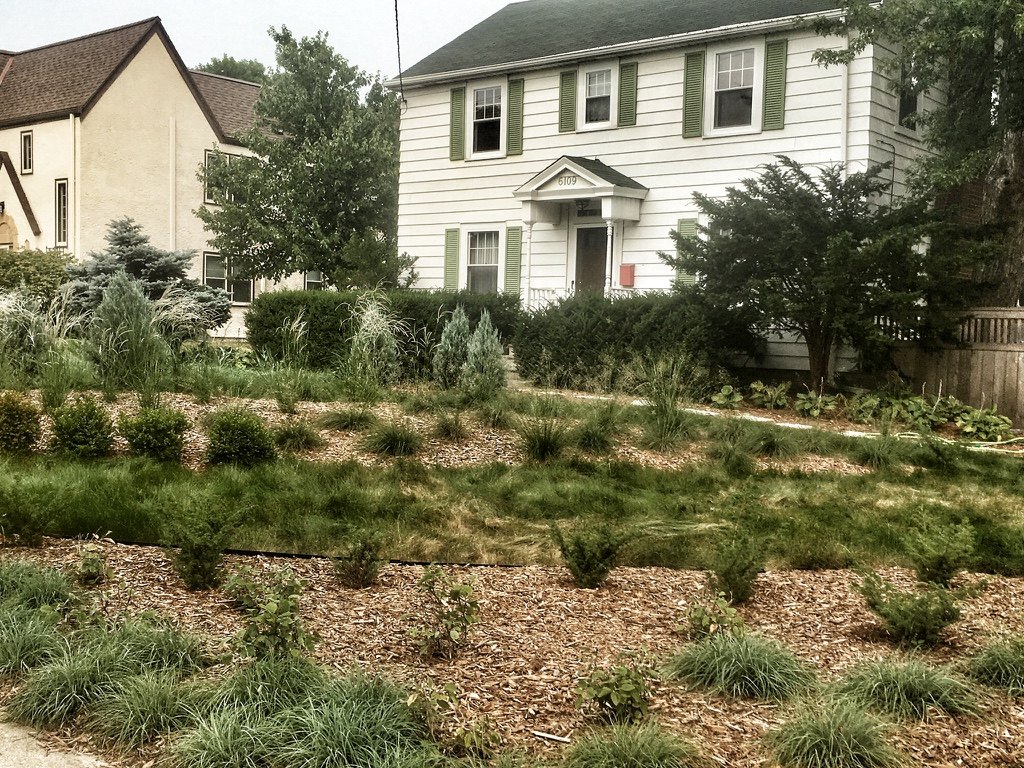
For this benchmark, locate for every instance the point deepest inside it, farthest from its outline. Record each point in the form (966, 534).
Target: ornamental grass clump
(837, 734)
(136, 710)
(633, 746)
(544, 440)
(28, 639)
(1000, 665)
(908, 690)
(297, 435)
(393, 438)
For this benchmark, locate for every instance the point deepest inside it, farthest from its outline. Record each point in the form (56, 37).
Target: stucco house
(113, 124)
(554, 146)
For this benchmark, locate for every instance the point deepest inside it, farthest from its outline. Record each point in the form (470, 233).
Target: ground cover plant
(910, 689)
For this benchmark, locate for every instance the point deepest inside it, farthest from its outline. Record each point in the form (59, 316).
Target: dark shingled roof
(68, 77)
(538, 28)
(606, 172)
(232, 101)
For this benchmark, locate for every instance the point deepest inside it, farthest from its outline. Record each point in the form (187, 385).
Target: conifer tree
(452, 350)
(483, 374)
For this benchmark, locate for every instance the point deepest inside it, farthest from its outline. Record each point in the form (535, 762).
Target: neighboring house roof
(70, 76)
(232, 101)
(542, 29)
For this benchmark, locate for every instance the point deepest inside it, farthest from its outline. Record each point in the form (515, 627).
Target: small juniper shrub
(938, 552)
(157, 433)
(908, 690)
(916, 618)
(544, 440)
(735, 563)
(358, 567)
(450, 426)
(710, 614)
(596, 433)
(743, 665)
(273, 624)
(617, 694)
(82, 429)
(393, 438)
(449, 610)
(200, 528)
(633, 746)
(239, 437)
(589, 552)
(19, 424)
(297, 435)
(483, 374)
(1000, 665)
(836, 734)
(346, 419)
(92, 565)
(452, 350)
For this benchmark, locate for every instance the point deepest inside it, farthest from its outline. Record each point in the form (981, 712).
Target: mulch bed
(538, 634)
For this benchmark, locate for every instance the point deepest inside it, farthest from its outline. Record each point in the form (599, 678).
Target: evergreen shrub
(451, 351)
(483, 374)
(82, 429)
(19, 424)
(158, 433)
(239, 437)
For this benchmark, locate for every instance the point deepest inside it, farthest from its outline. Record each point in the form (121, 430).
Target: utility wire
(398, 48)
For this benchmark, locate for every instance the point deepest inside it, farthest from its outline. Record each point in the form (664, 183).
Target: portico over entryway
(598, 200)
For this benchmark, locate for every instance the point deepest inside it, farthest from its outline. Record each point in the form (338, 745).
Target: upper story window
(482, 267)
(598, 98)
(27, 153)
(209, 193)
(487, 119)
(908, 100)
(217, 273)
(734, 88)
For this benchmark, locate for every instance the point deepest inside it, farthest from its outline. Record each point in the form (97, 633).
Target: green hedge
(584, 338)
(327, 315)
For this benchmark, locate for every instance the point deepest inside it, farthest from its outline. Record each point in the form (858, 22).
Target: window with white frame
(487, 119)
(482, 266)
(60, 213)
(734, 88)
(27, 153)
(217, 273)
(597, 106)
(314, 280)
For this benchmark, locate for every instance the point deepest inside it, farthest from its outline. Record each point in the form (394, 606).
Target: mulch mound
(538, 635)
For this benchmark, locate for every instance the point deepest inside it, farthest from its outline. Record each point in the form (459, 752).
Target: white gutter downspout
(74, 203)
(844, 116)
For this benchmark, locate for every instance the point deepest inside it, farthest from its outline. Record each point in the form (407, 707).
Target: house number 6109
(566, 181)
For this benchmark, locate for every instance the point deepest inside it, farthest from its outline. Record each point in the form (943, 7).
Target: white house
(113, 124)
(552, 147)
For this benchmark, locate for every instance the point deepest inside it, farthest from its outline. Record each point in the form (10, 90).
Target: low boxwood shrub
(82, 429)
(19, 423)
(589, 552)
(239, 437)
(158, 433)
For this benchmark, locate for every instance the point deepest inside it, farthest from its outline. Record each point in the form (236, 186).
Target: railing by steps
(539, 298)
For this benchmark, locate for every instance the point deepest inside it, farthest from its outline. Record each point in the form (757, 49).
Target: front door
(591, 257)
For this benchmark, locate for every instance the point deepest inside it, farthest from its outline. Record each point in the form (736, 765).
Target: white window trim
(464, 233)
(27, 168)
(306, 281)
(57, 240)
(228, 280)
(710, 78)
(502, 129)
(581, 97)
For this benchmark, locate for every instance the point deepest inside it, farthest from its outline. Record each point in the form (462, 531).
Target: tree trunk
(819, 355)
(1004, 203)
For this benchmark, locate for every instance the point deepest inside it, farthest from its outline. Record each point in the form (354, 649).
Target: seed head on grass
(633, 746)
(1000, 665)
(393, 439)
(745, 666)
(838, 734)
(909, 690)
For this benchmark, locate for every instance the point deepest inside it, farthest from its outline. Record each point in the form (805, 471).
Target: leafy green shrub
(727, 397)
(837, 734)
(908, 690)
(938, 552)
(814, 405)
(709, 614)
(983, 424)
(1001, 665)
(82, 429)
(273, 624)
(483, 373)
(770, 396)
(451, 351)
(358, 566)
(158, 433)
(200, 527)
(633, 746)
(743, 665)
(297, 436)
(734, 567)
(911, 618)
(618, 694)
(19, 424)
(543, 440)
(239, 437)
(346, 419)
(444, 620)
(589, 552)
(393, 439)
(92, 566)
(39, 273)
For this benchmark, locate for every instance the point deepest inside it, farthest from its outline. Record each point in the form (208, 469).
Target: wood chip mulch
(538, 635)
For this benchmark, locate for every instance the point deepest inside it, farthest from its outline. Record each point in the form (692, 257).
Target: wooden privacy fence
(987, 370)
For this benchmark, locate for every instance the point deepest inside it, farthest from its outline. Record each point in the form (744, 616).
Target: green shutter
(567, 102)
(774, 86)
(627, 93)
(513, 259)
(451, 259)
(693, 96)
(686, 228)
(457, 127)
(514, 144)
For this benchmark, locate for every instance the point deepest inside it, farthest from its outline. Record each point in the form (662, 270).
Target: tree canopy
(250, 70)
(320, 192)
(968, 52)
(820, 255)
